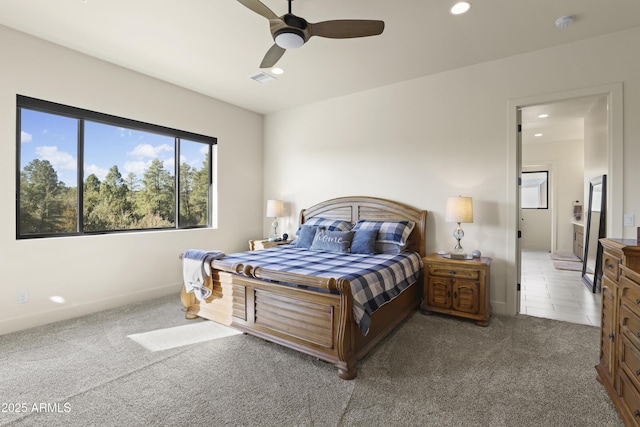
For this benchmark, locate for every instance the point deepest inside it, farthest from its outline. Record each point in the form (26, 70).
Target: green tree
(107, 205)
(42, 202)
(200, 198)
(186, 195)
(157, 196)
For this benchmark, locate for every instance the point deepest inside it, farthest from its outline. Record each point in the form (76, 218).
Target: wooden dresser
(619, 366)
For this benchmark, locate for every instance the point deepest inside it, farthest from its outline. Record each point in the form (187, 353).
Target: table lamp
(275, 208)
(459, 209)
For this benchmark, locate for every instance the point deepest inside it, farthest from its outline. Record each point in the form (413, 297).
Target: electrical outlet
(23, 296)
(628, 220)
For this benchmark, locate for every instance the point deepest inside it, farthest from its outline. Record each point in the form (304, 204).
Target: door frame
(614, 93)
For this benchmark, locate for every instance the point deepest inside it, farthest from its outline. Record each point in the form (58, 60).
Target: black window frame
(546, 182)
(83, 115)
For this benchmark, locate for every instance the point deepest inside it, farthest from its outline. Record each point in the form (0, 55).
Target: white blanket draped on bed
(196, 268)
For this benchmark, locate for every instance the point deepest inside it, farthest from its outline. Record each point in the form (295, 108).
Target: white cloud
(169, 163)
(25, 137)
(58, 159)
(136, 167)
(149, 151)
(101, 173)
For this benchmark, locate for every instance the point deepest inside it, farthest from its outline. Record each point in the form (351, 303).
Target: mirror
(595, 229)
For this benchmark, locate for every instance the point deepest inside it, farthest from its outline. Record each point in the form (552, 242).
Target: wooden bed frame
(317, 323)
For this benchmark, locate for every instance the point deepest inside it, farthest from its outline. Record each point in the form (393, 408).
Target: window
(129, 172)
(534, 191)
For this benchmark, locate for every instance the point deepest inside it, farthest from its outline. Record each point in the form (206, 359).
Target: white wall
(424, 140)
(99, 272)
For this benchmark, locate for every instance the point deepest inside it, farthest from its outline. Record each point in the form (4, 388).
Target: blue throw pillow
(332, 241)
(306, 235)
(395, 232)
(364, 241)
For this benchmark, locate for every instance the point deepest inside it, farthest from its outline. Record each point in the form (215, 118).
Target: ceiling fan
(290, 31)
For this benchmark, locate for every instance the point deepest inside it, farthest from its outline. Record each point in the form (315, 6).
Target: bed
(312, 313)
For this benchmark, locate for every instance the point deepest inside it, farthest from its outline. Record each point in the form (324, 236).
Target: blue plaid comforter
(375, 279)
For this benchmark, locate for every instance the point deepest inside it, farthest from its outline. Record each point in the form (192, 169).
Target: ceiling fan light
(289, 39)
(460, 7)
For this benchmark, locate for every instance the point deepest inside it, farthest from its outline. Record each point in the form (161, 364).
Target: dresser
(619, 365)
(457, 287)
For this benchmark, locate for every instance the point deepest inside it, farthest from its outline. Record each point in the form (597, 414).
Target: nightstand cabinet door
(466, 296)
(439, 292)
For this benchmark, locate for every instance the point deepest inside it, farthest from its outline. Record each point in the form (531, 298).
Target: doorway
(553, 175)
(518, 257)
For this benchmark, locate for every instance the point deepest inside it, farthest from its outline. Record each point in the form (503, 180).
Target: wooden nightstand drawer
(450, 271)
(255, 245)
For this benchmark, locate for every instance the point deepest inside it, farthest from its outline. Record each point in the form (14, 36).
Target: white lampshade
(275, 208)
(459, 209)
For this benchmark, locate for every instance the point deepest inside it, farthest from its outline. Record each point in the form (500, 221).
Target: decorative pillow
(329, 224)
(396, 232)
(306, 235)
(332, 241)
(364, 241)
(388, 248)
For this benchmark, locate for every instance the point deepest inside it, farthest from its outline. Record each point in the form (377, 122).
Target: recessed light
(543, 116)
(537, 135)
(277, 70)
(460, 7)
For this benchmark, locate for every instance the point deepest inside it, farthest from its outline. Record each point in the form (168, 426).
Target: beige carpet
(431, 371)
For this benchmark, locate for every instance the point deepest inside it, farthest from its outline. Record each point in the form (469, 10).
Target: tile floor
(556, 294)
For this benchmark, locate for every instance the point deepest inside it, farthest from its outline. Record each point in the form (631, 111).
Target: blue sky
(54, 138)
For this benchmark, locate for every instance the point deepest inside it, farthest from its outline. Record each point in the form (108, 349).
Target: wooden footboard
(316, 323)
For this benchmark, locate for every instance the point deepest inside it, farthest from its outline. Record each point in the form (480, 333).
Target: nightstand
(255, 245)
(457, 287)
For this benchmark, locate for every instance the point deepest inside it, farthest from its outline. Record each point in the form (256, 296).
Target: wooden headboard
(375, 209)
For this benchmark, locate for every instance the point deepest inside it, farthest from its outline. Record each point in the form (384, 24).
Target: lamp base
(457, 256)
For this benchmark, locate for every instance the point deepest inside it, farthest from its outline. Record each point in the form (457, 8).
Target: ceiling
(214, 46)
(564, 121)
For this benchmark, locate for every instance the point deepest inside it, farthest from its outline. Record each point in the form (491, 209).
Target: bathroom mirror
(595, 229)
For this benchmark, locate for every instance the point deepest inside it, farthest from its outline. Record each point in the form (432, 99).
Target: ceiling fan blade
(346, 28)
(273, 55)
(258, 7)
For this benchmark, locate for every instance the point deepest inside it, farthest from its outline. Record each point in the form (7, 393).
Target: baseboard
(64, 313)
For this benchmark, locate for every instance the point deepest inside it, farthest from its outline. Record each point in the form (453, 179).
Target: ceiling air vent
(263, 78)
